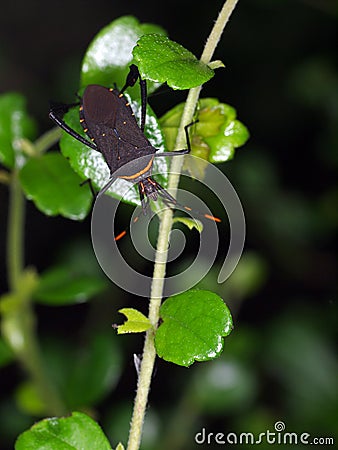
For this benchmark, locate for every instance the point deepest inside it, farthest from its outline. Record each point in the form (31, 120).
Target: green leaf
(109, 55)
(170, 122)
(212, 116)
(222, 146)
(190, 223)
(76, 432)
(214, 137)
(50, 182)
(90, 164)
(15, 124)
(119, 446)
(217, 64)
(93, 370)
(63, 285)
(136, 322)
(220, 130)
(194, 324)
(162, 60)
(83, 370)
(76, 276)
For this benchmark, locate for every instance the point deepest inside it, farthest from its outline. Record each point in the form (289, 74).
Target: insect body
(108, 120)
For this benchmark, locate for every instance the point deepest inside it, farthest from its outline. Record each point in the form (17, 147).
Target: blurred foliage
(279, 362)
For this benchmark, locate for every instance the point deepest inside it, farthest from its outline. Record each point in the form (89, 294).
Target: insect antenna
(172, 203)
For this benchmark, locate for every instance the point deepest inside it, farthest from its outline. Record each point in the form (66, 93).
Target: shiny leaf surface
(214, 137)
(162, 60)
(53, 186)
(109, 55)
(15, 124)
(76, 432)
(193, 329)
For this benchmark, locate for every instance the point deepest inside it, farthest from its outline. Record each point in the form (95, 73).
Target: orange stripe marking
(141, 172)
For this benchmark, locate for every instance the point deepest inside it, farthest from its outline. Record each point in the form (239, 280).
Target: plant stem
(30, 358)
(149, 351)
(47, 140)
(15, 227)
(217, 30)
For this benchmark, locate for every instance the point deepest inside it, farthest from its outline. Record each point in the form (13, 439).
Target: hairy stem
(149, 352)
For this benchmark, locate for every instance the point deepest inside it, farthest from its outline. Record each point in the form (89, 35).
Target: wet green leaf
(109, 55)
(53, 186)
(15, 124)
(76, 432)
(193, 328)
(162, 60)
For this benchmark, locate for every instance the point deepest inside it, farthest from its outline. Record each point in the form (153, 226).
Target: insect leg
(144, 199)
(184, 151)
(176, 153)
(132, 77)
(187, 137)
(89, 182)
(56, 112)
(168, 199)
(143, 87)
(172, 203)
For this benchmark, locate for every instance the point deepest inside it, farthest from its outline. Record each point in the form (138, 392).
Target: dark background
(281, 76)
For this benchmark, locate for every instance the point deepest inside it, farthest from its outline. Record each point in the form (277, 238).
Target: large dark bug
(109, 121)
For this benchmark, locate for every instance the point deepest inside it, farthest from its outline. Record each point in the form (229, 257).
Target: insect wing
(109, 121)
